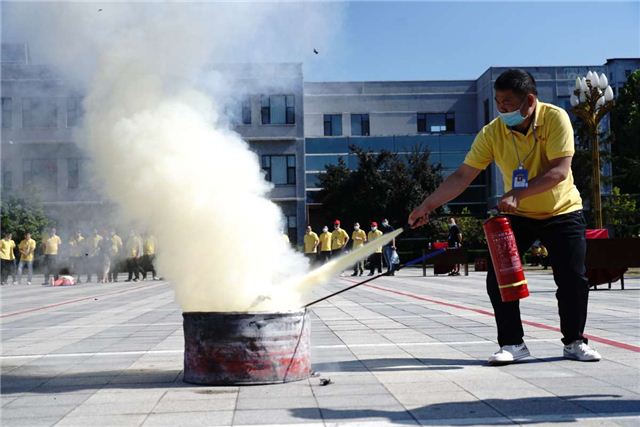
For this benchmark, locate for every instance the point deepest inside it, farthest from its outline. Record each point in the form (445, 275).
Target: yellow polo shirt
(373, 235)
(325, 241)
(76, 246)
(359, 238)
(6, 250)
(116, 245)
(51, 245)
(149, 246)
(553, 139)
(27, 249)
(310, 242)
(338, 238)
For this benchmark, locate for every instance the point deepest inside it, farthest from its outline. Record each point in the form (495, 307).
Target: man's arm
(557, 172)
(451, 188)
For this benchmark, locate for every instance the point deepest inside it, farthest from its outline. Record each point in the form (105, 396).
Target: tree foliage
(625, 129)
(384, 185)
(21, 216)
(621, 212)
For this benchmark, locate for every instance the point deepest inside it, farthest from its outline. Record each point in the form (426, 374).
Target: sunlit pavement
(404, 350)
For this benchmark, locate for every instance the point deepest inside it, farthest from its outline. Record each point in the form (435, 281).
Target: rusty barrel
(246, 348)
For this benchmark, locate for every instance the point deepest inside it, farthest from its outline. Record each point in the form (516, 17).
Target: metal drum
(246, 348)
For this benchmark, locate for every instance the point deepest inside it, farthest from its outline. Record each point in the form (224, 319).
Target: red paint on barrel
(246, 348)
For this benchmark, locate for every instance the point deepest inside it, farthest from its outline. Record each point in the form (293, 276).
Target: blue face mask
(514, 118)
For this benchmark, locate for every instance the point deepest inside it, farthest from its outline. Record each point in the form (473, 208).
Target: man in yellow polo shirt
(76, 255)
(311, 242)
(375, 260)
(339, 239)
(325, 245)
(51, 247)
(359, 238)
(27, 248)
(7, 257)
(532, 145)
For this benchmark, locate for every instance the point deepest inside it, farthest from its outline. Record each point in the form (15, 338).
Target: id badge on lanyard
(520, 178)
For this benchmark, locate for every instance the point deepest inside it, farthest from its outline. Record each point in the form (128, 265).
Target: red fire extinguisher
(505, 258)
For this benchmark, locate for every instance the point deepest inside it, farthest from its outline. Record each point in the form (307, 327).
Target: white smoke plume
(158, 139)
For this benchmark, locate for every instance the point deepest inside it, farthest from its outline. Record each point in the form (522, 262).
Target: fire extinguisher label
(510, 261)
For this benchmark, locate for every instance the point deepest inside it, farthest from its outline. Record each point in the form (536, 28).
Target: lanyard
(515, 147)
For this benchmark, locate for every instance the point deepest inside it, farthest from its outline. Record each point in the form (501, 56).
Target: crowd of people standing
(102, 254)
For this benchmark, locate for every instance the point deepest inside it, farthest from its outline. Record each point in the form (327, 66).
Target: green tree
(625, 129)
(384, 185)
(471, 229)
(21, 216)
(620, 212)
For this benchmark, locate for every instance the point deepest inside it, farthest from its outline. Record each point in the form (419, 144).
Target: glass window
(7, 177)
(292, 228)
(40, 173)
(39, 113)
(320, 162)
(332, 124)
(280, 170)
(436, 122)
(278, 109)
(7, 113)
(246, 111)
(73, 171)
(360, 124)
(74, 111)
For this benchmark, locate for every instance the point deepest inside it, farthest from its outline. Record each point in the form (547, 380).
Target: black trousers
(8, 268)
(564, 238)
(50, 267)
(133, 268)
(325, 256)
(147, 265)
(375, 261)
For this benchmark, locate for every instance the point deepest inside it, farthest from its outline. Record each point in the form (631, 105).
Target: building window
(73, 173)
(292, 228)
(487, 111)
(627, 73)
(280, 170)
(7, 177)
(278, 110)
(39, 113)
(74, 111)
(40, 173)
(360, 124)
(436, 122)
(332, 124)
(246, 111)
(7, 113)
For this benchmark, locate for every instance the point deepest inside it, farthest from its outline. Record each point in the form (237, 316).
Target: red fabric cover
(597, 233)
(600, 276)
(440, 245)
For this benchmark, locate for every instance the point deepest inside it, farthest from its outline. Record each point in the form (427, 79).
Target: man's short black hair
(521, 82)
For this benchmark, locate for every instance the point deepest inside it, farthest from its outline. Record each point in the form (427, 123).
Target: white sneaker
(509, 354)
(578, 350)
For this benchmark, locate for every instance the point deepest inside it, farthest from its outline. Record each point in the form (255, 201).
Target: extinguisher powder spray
(505, 258)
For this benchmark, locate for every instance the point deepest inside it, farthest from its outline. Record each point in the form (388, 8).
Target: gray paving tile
(189, 419)
(277, 416)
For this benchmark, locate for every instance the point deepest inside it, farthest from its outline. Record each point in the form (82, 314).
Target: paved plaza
(404, 350)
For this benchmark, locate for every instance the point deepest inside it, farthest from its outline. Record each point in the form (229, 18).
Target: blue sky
(459, 40)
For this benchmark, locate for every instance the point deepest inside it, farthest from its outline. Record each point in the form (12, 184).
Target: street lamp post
(592, 99)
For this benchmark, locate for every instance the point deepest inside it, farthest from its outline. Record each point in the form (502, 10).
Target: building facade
(442, 116)
(296, 128)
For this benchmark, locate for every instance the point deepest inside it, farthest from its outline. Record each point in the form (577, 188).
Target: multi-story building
(443, 116)
(40, 157)
(295, 128)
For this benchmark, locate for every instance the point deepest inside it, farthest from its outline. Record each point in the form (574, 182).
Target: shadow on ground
(530, 410)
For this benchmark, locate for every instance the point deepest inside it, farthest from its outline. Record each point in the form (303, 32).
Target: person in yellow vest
(532, 143)
(133, 252)
(51, 249)
(359, 238)
(76, 255)
(7, 258)
(339, 239)
(148, 256)
(116, 250)
(27, 248)
(311, 242)
(325, 245)
(375, 260)
(91, 251)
